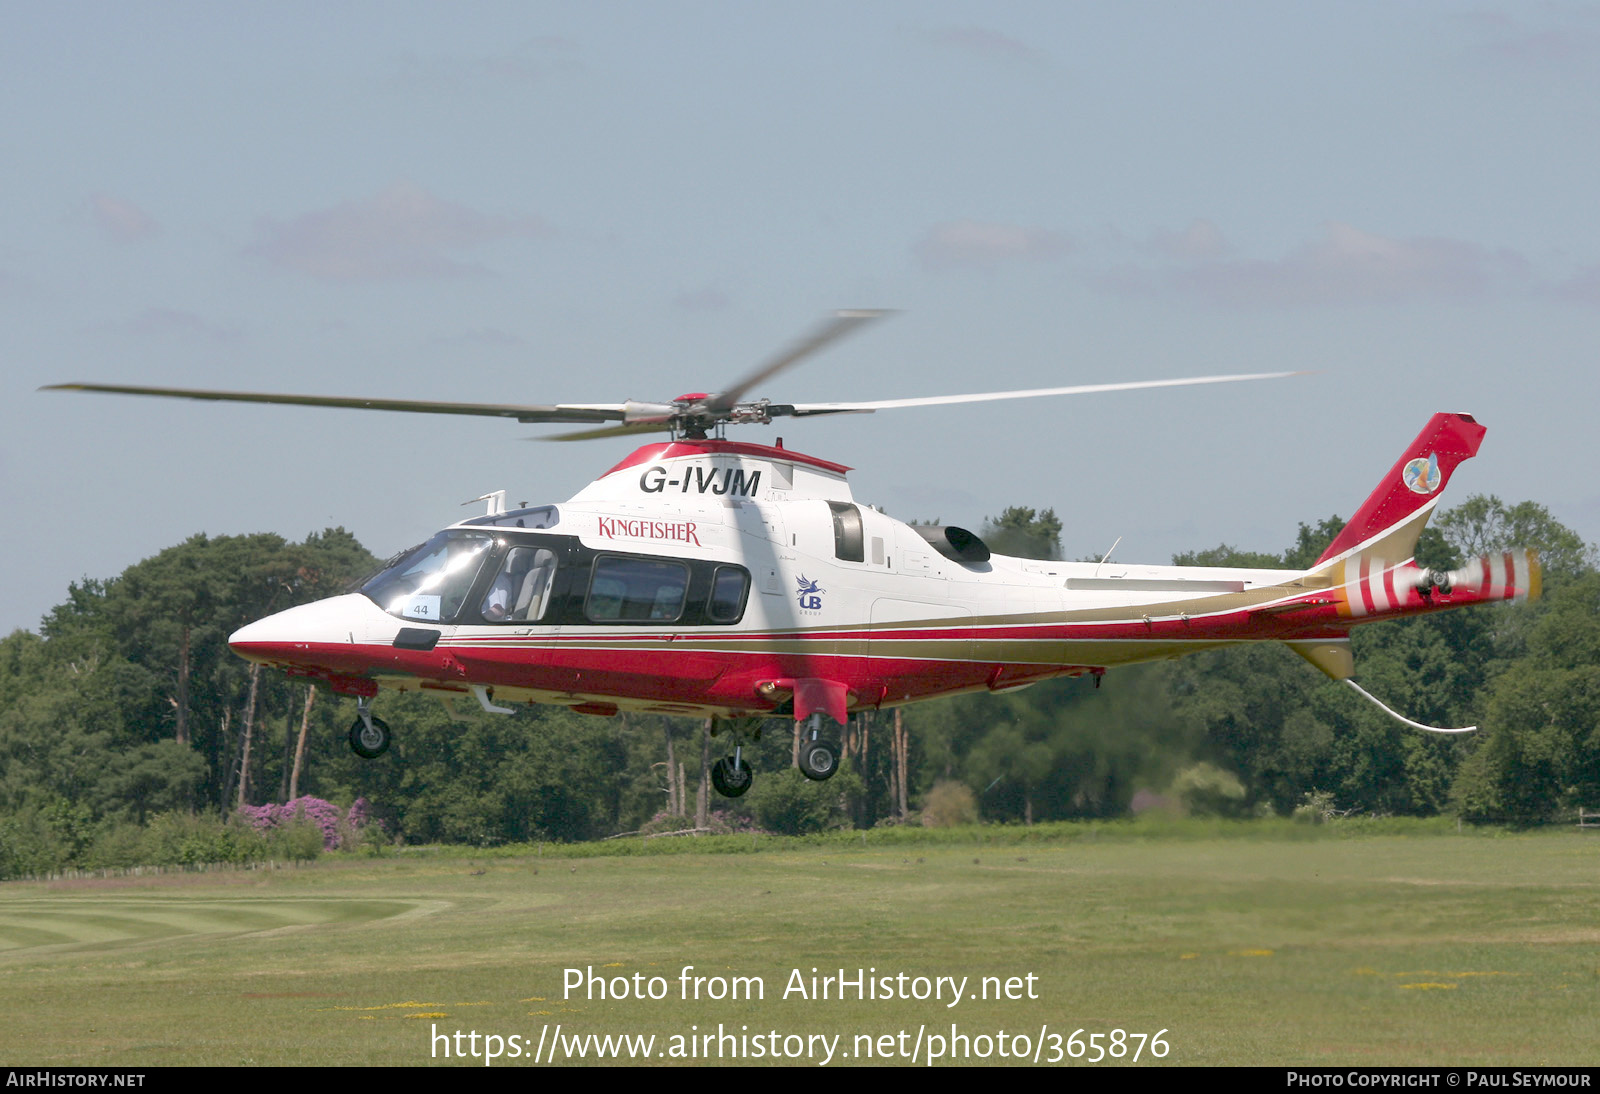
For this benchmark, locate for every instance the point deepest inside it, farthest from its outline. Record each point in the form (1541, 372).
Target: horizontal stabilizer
(1332, 656)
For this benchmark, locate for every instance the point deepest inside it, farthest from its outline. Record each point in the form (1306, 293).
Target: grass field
(1247, 945)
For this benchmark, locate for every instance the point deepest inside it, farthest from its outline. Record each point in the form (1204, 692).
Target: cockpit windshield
(431, 582)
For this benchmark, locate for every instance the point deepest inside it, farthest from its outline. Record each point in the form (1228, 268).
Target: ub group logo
(810, 594)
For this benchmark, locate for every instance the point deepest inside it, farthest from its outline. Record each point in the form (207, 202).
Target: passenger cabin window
(848, 541)
(729, 587)
(636, 590)
(520, 592)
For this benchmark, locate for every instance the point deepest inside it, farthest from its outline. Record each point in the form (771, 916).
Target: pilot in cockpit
(522, 586)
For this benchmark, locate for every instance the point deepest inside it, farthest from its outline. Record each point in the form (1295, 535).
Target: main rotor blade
(609, 431)
(829, 332)
(801, 410)
(561, 412)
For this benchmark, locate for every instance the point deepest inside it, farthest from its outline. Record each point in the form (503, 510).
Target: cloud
(121, 221)
(1545, 47)
(976, 243)
(1345, 266)
(1200, 240)
(402, 232)
(990, 45)
(173, 323)
(1567, 37)
(1582, 288)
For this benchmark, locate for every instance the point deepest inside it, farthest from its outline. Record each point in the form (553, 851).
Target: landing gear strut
(369, 736)
(819, 759)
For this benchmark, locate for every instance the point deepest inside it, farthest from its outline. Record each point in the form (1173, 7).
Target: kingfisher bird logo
(810, 594)
(1421, 475)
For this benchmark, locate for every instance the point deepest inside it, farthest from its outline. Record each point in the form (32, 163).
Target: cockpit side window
(430, 583)
(520, 592)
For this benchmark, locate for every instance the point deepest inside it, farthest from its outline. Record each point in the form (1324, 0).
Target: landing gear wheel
(731, 781)
(369, 740)
(818, 760)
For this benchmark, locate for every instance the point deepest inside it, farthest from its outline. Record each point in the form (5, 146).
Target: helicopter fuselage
(717, 578)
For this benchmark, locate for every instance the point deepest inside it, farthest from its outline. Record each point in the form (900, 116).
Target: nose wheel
(369, 736)
(731, 776)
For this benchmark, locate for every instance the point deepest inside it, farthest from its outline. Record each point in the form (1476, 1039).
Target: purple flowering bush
(724, 823)
(339, 827)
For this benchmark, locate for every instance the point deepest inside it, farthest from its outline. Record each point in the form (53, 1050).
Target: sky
(589, 202)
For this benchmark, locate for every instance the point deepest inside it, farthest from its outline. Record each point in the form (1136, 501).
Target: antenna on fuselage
(496, 500)
(1102, 561)
(1401, 718)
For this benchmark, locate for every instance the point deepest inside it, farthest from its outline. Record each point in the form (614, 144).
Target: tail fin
(1390, 520)
(1369, 564)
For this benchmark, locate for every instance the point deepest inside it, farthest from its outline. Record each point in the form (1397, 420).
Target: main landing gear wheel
(369, 737)
(730, 777)
(818, 760)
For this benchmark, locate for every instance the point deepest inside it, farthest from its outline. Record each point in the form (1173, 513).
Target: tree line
(127, 706)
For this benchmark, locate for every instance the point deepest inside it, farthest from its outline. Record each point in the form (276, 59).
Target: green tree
(146, 659)
(1541, 749)
(1023, 533)
(1311, 541)
(790, 804)
(1486, 525)
(1224, 555)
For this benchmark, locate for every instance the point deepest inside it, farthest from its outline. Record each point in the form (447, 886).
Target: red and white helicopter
(703, 576)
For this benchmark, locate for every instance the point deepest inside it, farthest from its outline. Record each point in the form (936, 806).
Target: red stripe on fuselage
(671, 669)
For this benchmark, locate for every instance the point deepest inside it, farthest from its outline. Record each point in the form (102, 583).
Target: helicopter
(737, 581)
